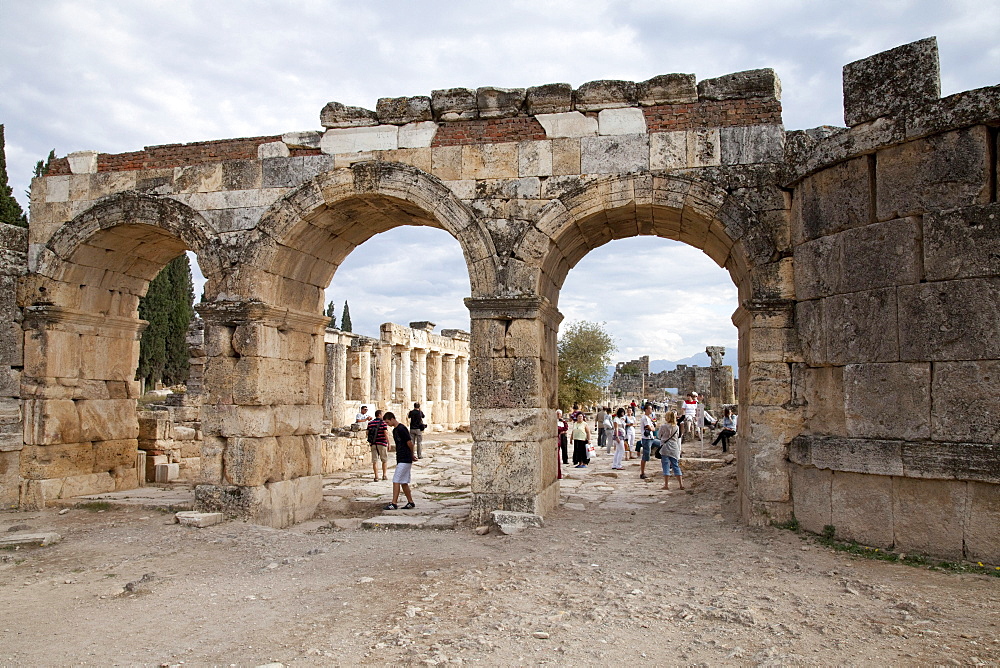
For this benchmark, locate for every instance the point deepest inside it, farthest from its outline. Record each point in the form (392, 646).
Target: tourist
(576, 411)
(608, 426)
(728, 423)
(581, 437)
(690, 413)
(618, 438)
(378, 439)
(363, 417)
(405, 458)
(648, 441)
(599, 426)
(670, 449)
(630, 431)
(417, 426)
(562, 427)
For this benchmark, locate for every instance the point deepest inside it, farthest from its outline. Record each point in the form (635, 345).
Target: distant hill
(700, 359)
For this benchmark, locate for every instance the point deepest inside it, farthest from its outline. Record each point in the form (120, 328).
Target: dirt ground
(636, 576)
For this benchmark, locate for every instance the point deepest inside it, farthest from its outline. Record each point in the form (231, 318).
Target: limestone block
(950, 320)
(10, 381)
(417, 135)
(10, 479)
(892, 82)
(824, 394)
(604, 94)
(929, 516)
(861, 327)
(193, 518)
(966, 397)
(626, 121)
(454, 104)
(355, 140)
(811, 497)
(939, 172)
(403, 110)
(249, 461)
(21, 539)
(510, 522)
(48, 421)
(704, 148)
(741, 85)
(56, 190)
(291, 458)
(212, 448)
(752, 144)
(614, 155)
(862, 508)
(103, 184)
(832, 200)
(668, 150)
(107, 358)
(958, 461)
(667, 89)
(534, 158)
(336, 115)
(82, 162)
(153, 425)
(507, 467)
(446, 162)
(499, 102)
(888, 400)
(298, 420)
(257, 340)
(418, 157)
(818, 267)
(51, 352)
(489, 161)
(880, 255)
(566, 157)
(57, 460)
(856, 455)
(303, 139)
(961, 243)
(770, 383)
(107, 419)
(182, 433)
(166, 473)
(553, 98)
(982, 540)
(505, 382)
(274, 149)
(568, 124)
(512, 424)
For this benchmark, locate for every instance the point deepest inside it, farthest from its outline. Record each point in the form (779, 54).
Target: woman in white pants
(630, 431)
(618, 439)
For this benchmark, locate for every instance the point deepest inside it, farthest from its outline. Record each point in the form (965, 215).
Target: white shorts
(402, 473)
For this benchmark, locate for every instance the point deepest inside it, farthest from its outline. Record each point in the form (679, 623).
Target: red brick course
(712, 114)
(488, 131)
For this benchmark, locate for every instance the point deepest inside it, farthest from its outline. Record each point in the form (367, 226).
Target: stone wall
(714, 384)
(897, 272)
(13, 264)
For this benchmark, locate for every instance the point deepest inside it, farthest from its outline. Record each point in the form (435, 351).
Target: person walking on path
(581, 437)
(378, 438)
(618, 438)
(599, 427)
(670, 449)
(690, 413)
(648, 441)
(417, 426)
(404, 462)
(630, 431)
(728, 423)
(562, 427)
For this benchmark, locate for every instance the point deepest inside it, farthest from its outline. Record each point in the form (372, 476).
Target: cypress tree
(10, 211)
(331, 312)
(345, 318)
(163, 351)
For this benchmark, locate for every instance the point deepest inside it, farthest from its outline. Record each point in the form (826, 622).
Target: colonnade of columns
(403, 366)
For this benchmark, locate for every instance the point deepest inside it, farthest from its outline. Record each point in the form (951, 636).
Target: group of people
(618, 431)
(407, 444)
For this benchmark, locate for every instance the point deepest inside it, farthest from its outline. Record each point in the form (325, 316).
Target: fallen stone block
(23, 539)
(192, 518)
(167, 472)
(440, 522)
(394, 522)
(510, 522)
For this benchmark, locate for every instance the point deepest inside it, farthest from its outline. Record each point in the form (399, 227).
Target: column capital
(513, 308)
(49, 316)
(246, 312)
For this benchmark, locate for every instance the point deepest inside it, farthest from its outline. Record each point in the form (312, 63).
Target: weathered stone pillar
(405, 363)
(336, 384)
(512, 377)
(360, 364)
(448, 389)
(13, 263)
(418, 383)
(263, 412)
(79, 397)
(383, 377)
(462, 369)
(434, 387)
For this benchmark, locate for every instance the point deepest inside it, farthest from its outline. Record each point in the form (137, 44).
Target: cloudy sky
(116, 76)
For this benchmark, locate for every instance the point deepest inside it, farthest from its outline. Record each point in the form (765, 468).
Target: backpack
(372, 433)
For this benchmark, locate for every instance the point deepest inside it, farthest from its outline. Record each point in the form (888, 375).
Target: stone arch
(304, 237)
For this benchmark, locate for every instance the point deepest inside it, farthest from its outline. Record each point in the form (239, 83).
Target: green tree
(345, 318)
(167, 306)
(331, 312)
(585, 351)
(629, 369)
(42, 167)
(10, 211)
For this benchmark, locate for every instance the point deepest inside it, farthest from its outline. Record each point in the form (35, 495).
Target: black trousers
(724, 436)
(580, 452)
(564, 447)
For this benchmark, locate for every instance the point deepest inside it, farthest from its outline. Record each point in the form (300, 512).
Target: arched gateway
(853, 249)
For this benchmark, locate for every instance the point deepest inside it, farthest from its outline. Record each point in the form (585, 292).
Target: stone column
(418, 383)
(336, 384)
(263, 412)
(360, 365)
(434, 387)
(512, 378)
(383, 380)
(79, 404)
(448, 388)
(405, 363)
(13, 263)
(462, 367)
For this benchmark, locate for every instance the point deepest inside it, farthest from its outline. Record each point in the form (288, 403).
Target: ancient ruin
(865, 259)
(715, 383)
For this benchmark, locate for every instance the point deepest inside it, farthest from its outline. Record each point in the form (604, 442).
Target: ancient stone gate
(866, 260)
